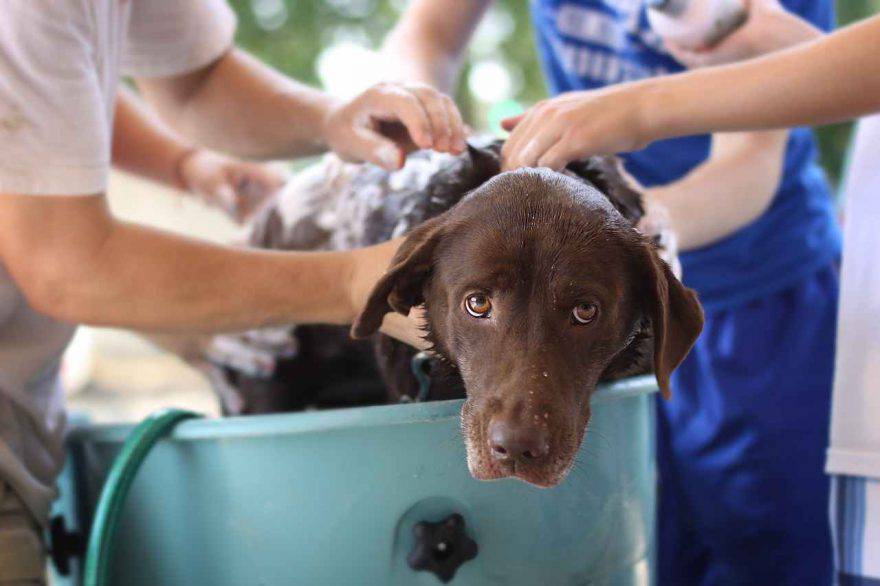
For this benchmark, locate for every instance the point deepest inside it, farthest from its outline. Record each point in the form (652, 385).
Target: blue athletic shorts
(743, 498)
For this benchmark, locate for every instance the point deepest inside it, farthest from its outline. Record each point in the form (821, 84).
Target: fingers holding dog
(578, 125)
(403, 104)
(443, 134)
(405, 116)
(546, 136)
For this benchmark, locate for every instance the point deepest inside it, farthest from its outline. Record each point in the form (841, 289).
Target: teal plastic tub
(344, 497)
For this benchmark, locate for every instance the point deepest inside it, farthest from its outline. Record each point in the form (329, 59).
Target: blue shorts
(743, 498)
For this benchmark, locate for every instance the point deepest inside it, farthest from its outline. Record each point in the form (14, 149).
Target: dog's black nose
(511, 441)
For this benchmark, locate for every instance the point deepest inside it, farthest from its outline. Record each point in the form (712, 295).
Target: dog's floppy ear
(400, 289)
(675, 314)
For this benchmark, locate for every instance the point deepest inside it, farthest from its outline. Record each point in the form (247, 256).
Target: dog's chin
(483, 467)
(549, 474)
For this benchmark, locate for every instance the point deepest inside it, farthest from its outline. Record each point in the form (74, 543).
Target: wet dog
(536, 286)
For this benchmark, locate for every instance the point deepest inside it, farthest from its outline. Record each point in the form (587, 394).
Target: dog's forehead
(554, 252)
(538, 209)
(500, 260)
(537, 185)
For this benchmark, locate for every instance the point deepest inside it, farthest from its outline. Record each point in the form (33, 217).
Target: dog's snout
(510, 441)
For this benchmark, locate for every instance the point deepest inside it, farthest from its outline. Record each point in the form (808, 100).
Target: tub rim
(252, 426)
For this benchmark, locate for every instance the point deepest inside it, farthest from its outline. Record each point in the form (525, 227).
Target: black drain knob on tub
(64, 545)
(441, 547)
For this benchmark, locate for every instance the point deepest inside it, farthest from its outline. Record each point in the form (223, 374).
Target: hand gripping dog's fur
(536, 287)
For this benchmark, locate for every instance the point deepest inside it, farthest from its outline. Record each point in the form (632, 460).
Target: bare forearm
(415, 59)
(75, 262)
(429, 42)
(823, 81)
(153, 281)
(143, 145)
(148, 280)
(730, 190)
(241, 106)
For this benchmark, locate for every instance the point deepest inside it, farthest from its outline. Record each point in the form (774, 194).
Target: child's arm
(730, 190)
(428, 43)
(829, 79)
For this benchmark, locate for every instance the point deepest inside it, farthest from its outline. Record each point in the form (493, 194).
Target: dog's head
(534, 286)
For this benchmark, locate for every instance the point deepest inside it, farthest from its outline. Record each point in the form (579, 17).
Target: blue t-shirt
(588, 44)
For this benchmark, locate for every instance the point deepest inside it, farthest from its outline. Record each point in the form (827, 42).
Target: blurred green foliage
(292, 34)
(834, 139)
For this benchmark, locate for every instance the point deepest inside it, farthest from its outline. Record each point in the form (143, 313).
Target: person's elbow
(175, 98)
(54, 288)
(763, 150)
(768, 164)
(758, 158)
(55, 250)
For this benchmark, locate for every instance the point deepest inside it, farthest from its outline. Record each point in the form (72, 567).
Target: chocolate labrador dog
(536, 286)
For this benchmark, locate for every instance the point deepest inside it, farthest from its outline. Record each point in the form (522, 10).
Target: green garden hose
(138, 445)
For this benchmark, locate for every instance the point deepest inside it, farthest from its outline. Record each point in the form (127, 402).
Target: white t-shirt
(60, 64)
(855, 418)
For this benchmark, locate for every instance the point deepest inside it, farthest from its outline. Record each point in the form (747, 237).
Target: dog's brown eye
(478, 305)
(584, 313)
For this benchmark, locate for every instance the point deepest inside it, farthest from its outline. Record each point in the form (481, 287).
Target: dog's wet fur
(534, 245)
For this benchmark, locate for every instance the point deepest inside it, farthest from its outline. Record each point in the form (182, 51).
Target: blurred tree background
(332, 43)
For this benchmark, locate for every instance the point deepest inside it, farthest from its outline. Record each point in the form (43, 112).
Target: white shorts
(855, 524)
(22, 553)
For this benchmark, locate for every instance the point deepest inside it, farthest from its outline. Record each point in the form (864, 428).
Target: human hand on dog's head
(388, 120)
(576, 125)
(237, 187)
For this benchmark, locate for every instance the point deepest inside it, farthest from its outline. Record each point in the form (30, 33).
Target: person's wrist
(784, 30)
(180, 173)
(658, 211)
(655, 197)
(652, 107)
(363, 269)
(305, 116)
(350, 260)
(326, 112)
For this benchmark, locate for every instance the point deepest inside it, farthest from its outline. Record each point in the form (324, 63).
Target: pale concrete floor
(114, 375)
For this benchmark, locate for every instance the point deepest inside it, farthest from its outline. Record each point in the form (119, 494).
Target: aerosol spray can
(695, 24)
